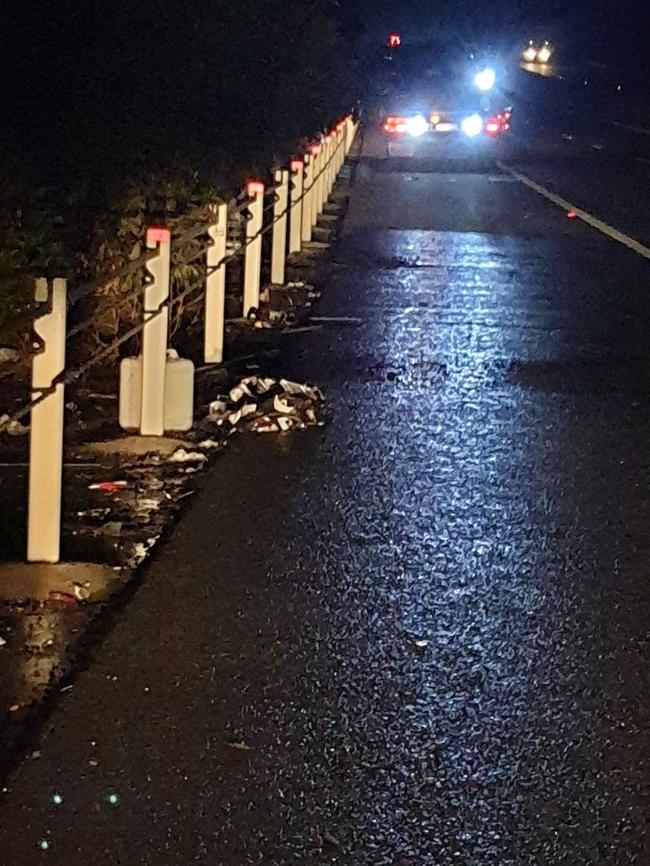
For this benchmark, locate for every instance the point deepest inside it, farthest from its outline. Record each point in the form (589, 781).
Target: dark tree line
(100, 87)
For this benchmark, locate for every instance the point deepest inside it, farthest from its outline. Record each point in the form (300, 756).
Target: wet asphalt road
(420, 635)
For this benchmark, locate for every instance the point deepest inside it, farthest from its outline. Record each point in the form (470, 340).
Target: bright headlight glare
(544, 54)
(472, 125)
(530, 54)
(417, 125)
(485, 79)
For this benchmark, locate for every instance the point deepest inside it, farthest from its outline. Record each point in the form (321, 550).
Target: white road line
(593, 221)
(638, 129)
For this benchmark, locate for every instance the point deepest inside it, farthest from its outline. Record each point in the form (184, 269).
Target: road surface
(420, 635)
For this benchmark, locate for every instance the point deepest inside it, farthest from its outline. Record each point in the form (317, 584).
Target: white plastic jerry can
(179, 393)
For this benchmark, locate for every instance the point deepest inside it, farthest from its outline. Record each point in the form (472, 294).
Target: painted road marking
(639, 129)
(586, 217)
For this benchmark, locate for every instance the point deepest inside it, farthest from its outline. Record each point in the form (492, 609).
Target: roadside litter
(183, 456)
(13, 428)
(8, 355)
(109, 486)
(266, 405)
(62, 599)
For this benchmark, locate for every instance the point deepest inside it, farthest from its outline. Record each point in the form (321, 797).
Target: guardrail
(289, 208)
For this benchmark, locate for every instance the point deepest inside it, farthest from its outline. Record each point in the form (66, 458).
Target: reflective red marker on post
(158, 235)
(254, 188)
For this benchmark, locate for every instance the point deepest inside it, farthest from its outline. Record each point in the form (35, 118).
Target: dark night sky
(618, 29)
(99, 63)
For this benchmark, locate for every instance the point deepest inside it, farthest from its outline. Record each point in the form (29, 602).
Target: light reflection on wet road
(429, 622)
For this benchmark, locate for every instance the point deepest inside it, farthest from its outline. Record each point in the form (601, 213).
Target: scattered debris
(109, 486)
(421, 644)
(64, 599)
(3, 642)
(183, 456)
(312, 392)
(92, 395)
(209, 444)
(219, 405)
(140, 551)
(239, 746)
(266, 405)
(13, 428)
(81, 593)
(9, 356)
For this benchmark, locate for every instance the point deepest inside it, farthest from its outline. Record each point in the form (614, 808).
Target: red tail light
(394, 125)
(498, 124)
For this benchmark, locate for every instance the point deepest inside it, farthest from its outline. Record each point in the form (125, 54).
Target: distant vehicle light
(394, 40)
(395, 124)
(435, 118)
(493, 126)
(416, 126)
(485, 79)
(530, 54)
(472, 125)
(544, 54)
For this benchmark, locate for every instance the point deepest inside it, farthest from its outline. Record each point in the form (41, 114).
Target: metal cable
(67, 378)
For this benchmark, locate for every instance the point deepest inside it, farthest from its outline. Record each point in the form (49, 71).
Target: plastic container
(179, 393)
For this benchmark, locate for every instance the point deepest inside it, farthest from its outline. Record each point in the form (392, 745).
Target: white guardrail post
(331, 170)
(279, 245)
(317, 181)
(155, 332)
(297, 167)
(322, 198)
(253, 251)
(323, 179)
(215, 287)
(46, 427)
(331, 164)
(340, 128)
(349, 133)
(308, 190)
